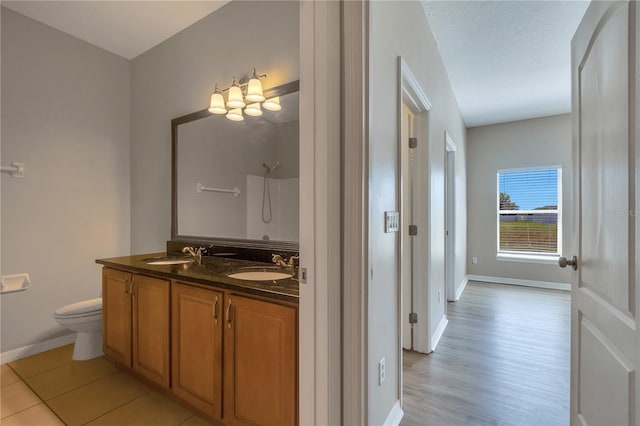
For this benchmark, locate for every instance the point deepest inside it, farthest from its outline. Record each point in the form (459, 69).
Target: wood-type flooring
(504, 359)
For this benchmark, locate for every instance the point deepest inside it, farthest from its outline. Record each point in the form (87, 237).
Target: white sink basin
(169, 262)
(260, 275)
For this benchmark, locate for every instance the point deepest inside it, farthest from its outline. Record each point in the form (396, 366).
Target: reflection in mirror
(238, 180)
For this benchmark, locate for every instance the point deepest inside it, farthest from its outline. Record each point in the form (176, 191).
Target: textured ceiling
(507, 60)
(126, 28)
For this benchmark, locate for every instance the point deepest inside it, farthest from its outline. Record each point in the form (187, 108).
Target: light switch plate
(391, 221)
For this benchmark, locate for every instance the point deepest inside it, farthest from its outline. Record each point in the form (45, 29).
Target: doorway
(413, 196)
(408, 145)
(450, 220)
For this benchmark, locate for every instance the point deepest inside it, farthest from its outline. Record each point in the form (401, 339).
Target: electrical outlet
(474, 260)
(381, 371)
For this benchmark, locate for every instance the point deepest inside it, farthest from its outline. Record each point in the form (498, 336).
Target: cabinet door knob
(227, 314)
(215, 311)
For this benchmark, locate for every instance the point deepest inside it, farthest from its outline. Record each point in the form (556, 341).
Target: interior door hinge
(413, 142)
(413, 230)
(413, 318)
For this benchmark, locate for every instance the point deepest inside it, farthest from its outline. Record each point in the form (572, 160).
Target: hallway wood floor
(504, 359)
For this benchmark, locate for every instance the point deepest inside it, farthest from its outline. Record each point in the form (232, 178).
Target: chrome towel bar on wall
(16, 169)
(201, 188)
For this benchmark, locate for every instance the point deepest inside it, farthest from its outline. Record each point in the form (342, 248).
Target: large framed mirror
(236, 183)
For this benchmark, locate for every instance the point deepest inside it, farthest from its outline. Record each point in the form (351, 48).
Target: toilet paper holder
(14, 283)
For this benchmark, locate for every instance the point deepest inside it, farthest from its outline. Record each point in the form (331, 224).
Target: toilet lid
(86, 306)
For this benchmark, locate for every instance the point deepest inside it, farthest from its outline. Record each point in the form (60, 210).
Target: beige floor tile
(30, 366)
(151, 409)
(15, 398)
(38, 415)
(69, 376)
(196, 421)
(7, 375)
(91, 401)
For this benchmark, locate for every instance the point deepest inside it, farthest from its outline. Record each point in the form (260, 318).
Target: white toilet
(85, 318)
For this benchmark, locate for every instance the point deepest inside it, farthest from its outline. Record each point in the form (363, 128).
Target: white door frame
(320, 214)
(450, 218)
(355, 212)
(410, 92)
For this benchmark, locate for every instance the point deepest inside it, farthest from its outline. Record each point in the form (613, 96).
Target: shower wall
(284, 208)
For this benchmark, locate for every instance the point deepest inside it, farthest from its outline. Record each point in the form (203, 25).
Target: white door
(605, 344)
(407, 211)
(450, 220)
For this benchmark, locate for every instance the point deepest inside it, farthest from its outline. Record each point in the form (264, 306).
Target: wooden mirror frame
(281, 90)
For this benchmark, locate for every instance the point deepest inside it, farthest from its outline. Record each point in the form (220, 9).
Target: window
(530, 214)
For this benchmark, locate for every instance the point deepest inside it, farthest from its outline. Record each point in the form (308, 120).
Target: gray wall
(65, 114)
(528, 143)
(401, 29)
(178, 76)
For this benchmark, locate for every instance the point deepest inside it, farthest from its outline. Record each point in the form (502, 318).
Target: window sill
(528, 258)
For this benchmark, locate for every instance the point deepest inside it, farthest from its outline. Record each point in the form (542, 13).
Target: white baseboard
(460, 288)
(36, 348)
(435, 339)
(394, 417)
(516, 281)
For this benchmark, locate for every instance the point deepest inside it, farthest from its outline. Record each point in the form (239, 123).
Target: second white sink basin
(260, 275)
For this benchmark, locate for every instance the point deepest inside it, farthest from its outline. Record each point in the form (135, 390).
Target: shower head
(272, 168)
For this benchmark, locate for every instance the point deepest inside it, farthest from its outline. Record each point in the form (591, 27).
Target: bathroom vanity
(191, 326)
(225, 346)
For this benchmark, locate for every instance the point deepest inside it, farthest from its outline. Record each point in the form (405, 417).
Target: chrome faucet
(278, 260)
(196, 253)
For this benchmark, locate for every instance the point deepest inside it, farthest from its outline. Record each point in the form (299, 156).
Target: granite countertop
(212, 271)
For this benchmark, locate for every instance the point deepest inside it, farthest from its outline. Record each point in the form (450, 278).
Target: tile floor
(51, 389)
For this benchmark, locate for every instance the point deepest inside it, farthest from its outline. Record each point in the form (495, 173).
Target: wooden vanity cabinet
(232, 356)
(135, 318)
(116, 315)
(196, 350)
(260, 362)
(150, 341)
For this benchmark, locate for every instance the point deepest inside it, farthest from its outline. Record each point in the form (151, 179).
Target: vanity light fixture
(253, 110)
(241, 95)
(235, 114)
(235, 96)
(272, 104)
(254, 89)
(217, 102)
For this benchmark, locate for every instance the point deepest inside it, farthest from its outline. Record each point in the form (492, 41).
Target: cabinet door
(196, 327)
(116, 315)
(260, 362)
(151, 328)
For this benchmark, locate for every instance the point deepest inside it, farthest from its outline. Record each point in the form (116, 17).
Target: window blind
(529, 210)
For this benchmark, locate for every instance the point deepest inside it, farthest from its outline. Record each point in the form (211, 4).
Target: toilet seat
(85, 308)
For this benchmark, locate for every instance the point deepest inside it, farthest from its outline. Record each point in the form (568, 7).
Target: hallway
(503, 359)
